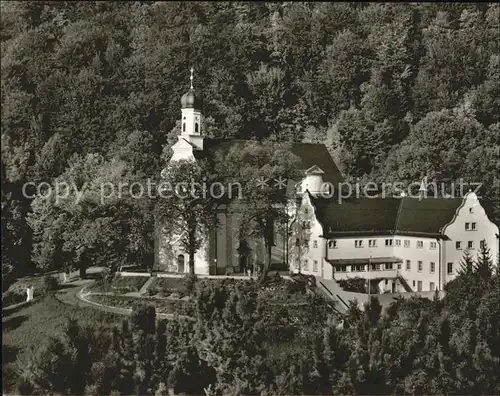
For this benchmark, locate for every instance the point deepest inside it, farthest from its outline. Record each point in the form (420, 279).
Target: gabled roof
(352, 216)
(428, 215)
(310, 154)
(314, 170)
(182, 142)
(389, 216)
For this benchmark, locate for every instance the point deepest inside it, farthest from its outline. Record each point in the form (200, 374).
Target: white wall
(471, 211)
(414, 254)
(314, 252)
(346, 250)
(182, 151)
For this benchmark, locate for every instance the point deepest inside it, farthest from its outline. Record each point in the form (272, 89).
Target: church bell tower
(192, 117)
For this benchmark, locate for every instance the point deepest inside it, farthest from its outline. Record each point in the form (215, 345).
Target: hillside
(397, 92)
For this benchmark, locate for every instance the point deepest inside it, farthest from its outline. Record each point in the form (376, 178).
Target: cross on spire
(191, 77)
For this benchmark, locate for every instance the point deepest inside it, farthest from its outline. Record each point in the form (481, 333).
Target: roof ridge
(398, 216)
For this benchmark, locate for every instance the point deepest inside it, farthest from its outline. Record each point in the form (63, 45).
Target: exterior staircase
(332, 290)
(404, 283)
(144, 288)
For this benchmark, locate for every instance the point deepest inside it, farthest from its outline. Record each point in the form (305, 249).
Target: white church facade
(400, 243)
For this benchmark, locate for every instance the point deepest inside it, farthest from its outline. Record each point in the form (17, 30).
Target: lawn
(16, 292)
(167, 286)
(29, 326)
(121, 284)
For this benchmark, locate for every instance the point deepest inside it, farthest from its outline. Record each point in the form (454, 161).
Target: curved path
(76, 293)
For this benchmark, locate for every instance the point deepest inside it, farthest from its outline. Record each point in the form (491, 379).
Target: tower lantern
(191, 105)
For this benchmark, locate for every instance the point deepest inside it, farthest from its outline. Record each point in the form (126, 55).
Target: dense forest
(91, 90)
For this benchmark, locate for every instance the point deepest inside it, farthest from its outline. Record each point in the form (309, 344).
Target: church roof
(310, 154)
(388, 216)
(191, 100)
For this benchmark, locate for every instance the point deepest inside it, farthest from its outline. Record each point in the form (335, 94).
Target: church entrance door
(180, 263)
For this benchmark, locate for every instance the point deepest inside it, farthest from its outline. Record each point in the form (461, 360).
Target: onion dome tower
(191, 104)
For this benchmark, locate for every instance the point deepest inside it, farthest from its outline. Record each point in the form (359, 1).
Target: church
(397, 244)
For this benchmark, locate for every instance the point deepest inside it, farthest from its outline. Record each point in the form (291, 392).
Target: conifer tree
(484, 263)
(466, 264)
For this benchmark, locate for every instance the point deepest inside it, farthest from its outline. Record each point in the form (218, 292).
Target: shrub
(357, 285)
(11, 297)
(126, 284)
(50, 283)
(144, 317)
(298, 285)
(189, 283)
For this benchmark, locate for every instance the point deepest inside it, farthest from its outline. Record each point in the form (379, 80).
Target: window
(340, 268)
(375, 267)
(398, 242)
(388, 242)
(458, 245)
(433, 245)
(386, 281)
(470, 245)
(433, 267)
(388, 266)
(467, 226)
(332, 244)
(306, 265)
(419, 266)
(408, 265)
(420, 244)
(407, 243)
(196, 127)
(358, 268)
(358, 243)
(372, 243)
(450, 268)
(315, 244)
(399, 266)
(481, 244)
(183, 127)
(432, 286)
(315, 265)
(473, 225)
(471, 210)
(413, 283)
(419, 286)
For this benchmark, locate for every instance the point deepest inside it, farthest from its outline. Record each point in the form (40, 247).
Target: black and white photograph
(225, 198)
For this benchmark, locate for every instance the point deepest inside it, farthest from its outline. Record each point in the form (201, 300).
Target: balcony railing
(372, 274)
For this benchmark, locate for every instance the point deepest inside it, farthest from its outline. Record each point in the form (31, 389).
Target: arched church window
(180, 263)
(196, 127)
(183, 127)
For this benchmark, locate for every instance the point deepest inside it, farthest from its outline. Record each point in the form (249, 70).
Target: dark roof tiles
(386, 215)
(310, 154)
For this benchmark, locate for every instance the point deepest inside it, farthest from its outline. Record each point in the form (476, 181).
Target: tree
(484, 263)
(91, 215)
(466, 264)
(258, 167)
(189, 210)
